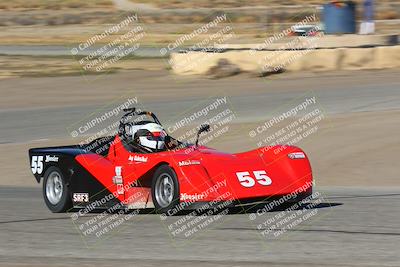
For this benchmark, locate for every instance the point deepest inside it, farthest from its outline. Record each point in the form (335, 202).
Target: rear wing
(63, 157)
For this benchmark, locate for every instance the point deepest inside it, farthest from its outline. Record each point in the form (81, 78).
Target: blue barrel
(339, 17)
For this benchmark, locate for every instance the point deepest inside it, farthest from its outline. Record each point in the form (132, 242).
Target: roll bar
(133, 112)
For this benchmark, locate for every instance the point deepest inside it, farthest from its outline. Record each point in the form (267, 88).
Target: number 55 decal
(37, 164)
(247, 181)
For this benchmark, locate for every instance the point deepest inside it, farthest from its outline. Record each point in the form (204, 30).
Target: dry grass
(53, 4)
(237, 3)
(96, 12)
(218, 3)
(388, 14)
(35, 66)
(156, 34)
(74, 21)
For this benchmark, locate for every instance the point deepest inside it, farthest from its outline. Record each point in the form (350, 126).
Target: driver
(150, 135)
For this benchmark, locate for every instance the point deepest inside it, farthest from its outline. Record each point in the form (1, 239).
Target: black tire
(64, 202)
(160, 174)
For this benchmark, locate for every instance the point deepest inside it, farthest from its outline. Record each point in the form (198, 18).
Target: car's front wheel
(165, 190)
(55, 191)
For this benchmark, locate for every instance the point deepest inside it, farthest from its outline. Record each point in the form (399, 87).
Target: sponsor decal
(117, 179)
(297, 155)
(120, 189)
(137, 158)
(194, 197)
(188, 162)
(51, 158)
(80, 197)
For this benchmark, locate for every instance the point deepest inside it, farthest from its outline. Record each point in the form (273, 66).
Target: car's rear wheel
(55, 191)
(165, 190)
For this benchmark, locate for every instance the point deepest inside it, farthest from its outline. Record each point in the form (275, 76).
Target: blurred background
(65, 62)
(49, 29)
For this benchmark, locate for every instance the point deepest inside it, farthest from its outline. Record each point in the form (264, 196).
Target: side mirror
(203, 128)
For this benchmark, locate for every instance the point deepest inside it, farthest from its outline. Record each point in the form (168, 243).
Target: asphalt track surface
(351, 226)
(252, 100)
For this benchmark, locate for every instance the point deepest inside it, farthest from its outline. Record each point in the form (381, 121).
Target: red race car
(143, 167)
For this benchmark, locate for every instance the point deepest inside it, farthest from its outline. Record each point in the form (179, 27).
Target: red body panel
(204, 174)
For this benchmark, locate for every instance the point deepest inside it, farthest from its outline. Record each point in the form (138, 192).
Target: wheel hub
(54, 188)
(164, 190)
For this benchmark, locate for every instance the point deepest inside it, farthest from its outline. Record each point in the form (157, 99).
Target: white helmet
(150, 135)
